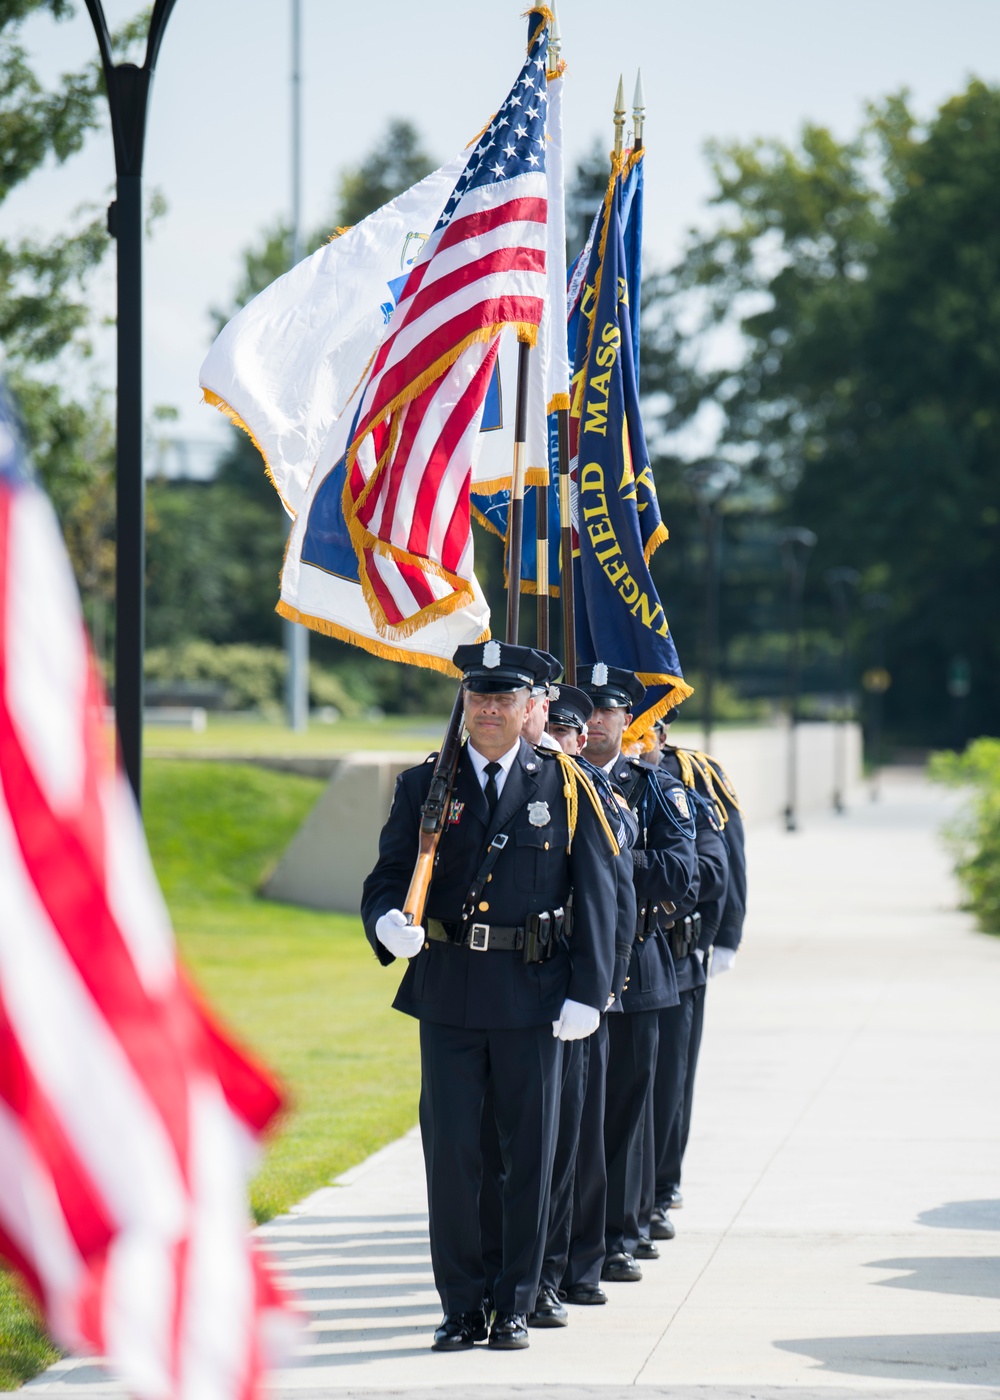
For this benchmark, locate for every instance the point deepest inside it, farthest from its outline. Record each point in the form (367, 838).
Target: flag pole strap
(515, 532)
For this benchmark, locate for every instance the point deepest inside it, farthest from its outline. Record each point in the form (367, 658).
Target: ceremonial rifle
(434, 811)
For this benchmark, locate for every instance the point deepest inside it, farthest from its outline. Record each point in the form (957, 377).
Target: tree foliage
(45, 314)
(839, 327)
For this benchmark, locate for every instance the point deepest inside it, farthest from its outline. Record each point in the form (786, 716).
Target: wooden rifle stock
(434, 812)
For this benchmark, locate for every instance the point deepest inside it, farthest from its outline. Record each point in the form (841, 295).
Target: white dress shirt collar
(506, 763)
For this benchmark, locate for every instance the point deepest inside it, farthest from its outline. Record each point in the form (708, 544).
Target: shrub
(244, 677)
(974, 835)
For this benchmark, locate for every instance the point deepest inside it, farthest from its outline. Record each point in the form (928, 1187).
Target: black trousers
(590, 1179)
(679, 1140)
(668, 1099)
(632, 1059)
(458, 1068)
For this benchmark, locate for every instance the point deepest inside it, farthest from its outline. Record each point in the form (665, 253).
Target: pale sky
(219, 130)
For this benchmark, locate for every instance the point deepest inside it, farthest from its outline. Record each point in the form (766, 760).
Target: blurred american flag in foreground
(128, 1121)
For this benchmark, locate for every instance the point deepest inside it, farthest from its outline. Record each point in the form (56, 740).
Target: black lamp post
(709, 483)
(796, 544)
(840, 582)
(128, 99)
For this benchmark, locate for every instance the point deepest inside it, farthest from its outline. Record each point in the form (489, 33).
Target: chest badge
(538, 813)
(455, 813)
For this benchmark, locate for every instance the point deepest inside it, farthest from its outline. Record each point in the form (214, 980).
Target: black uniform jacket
(458, 986)
(664, 869)
(723, 875)
(626, 828)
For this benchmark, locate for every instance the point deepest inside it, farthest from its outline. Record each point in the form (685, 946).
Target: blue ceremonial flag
(490, 509)
(619, 619)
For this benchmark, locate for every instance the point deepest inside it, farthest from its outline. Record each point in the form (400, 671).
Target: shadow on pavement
(971, 1277)
(963, 1215)
(970, 1358)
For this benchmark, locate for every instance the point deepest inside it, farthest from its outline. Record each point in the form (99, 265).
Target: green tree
(45, 314)
(838, 324)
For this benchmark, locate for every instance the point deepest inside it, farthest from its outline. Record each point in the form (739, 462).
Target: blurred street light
(795, 545)
(841, 582)
(709, 483)
(876, 681)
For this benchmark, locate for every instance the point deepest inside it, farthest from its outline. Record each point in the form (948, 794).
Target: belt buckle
(479, 937)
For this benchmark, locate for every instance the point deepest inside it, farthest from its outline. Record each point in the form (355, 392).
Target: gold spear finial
(620, 116)
(555, 40)
(638, 111)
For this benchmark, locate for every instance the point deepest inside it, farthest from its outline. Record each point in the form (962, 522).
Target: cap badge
(553, 692)
(491, 654)
(538, 813)
(600, 676)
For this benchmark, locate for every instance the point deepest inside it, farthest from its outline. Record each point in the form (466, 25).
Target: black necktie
(492, 794)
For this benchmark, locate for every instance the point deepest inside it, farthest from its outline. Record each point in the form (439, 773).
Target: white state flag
(287, 365)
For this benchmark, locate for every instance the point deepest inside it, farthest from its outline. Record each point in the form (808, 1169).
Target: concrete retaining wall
(332, 852)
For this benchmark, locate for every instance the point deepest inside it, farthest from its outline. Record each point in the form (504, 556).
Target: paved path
(841, 1233)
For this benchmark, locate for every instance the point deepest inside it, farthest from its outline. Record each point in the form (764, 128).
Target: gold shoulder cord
(713, 777)
(574, 779)
(686, 766)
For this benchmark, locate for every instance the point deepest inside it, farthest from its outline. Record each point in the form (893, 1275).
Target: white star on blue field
(505, 150)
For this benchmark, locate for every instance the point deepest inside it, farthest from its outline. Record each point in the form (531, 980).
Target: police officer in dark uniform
(493, 980)
(574, 1250)
(665, 878)
(721, 909)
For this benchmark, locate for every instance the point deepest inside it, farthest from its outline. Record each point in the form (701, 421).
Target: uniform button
(426, 945)
(483, 905)
(546, 845)
(655, 907)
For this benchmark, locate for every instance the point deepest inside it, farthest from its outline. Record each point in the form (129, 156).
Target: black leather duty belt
(481, 938)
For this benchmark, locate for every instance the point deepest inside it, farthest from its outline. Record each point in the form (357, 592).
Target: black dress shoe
(646, 1249)
(549, 1312)
(661, 1227)
(458, 1331)
(621, 1268)
(509, 1331)
(676, 1199)
(583, 1294)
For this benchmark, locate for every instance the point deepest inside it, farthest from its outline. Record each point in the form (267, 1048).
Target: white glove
(576, 1021)
(404, 940)
(699, 954)
(722, 961)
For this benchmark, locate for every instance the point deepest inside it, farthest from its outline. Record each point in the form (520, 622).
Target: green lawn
(235, 737)
(300, 988)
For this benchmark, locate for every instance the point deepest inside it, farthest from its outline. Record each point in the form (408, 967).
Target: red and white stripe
(411, 456)
(125, 1114)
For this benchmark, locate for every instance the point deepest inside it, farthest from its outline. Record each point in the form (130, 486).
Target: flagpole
(566, 582)
(515, 531)
(542, 563)
(620, 116)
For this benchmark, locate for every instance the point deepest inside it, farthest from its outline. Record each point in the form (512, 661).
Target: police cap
(573, 707)
(553, 671)
(611, 687)
(488, 667)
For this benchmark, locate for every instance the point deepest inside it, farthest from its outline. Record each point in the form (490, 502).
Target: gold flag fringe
(640, 730)
(373, 645)
(216, 401)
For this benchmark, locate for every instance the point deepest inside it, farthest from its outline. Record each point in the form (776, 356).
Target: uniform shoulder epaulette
(431, 758)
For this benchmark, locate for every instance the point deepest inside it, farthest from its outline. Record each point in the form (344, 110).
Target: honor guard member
(665, 877)
(574, 1251)
(492, 980)
(719, 936)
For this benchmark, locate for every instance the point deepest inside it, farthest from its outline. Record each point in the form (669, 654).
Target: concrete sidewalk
(841, 1232)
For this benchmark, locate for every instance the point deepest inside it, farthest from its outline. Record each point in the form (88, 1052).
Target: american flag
(127, 1119)
(482, 269)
